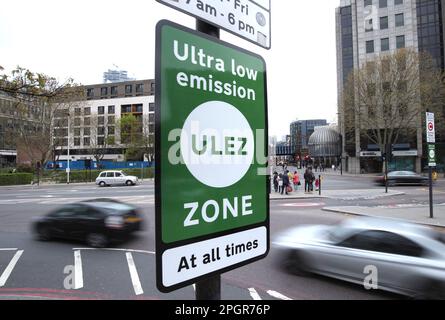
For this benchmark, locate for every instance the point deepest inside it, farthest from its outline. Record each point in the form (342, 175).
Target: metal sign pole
(430, 169)
(209, 289)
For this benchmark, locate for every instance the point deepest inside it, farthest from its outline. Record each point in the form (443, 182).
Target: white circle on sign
(432, 154)
(217, 144)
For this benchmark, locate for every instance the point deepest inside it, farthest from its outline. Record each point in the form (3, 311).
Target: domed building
(325, 146)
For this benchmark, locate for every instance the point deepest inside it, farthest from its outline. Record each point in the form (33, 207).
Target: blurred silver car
(409, 258)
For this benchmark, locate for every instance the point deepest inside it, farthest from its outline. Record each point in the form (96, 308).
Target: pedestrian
(275, 181)
(296, 181)
(285, 183)
(317, 184)
(280, 183)
(306, 180)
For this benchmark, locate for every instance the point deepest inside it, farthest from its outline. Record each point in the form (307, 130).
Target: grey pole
(208, 289)
(430, 174)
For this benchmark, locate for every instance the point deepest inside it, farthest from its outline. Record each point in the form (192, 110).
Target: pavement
(365, 194)
(412, 213)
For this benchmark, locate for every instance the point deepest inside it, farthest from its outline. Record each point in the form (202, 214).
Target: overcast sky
(83, 38)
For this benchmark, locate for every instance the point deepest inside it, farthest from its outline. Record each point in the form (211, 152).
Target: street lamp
(68, 148)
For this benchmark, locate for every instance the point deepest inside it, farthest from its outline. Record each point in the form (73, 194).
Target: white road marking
(116, 249)
(8, 249)
(78, 273)
(254, 294)
(278, 295)
(4, 277)
(134, 275)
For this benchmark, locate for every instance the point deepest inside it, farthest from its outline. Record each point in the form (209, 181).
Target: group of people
(287, 181)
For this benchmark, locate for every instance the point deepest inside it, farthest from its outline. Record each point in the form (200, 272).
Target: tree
(100, 138)
(38, 98)
(386, 98)
(148, 138)
(131, 132)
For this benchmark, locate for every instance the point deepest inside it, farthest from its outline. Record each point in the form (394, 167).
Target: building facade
(369, 28)
(300, 132)
(94, 129)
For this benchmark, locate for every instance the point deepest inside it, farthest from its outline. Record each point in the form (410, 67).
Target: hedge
(15, 179)
(85, 175)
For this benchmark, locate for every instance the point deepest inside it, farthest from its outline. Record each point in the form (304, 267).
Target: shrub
(15, 179)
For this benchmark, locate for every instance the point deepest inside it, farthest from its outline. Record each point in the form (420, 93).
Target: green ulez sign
(212, 203)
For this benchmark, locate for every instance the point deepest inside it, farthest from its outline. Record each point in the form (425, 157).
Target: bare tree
(387, 97)
(37, 98)
(100, 138)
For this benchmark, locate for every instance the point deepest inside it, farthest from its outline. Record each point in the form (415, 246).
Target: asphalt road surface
(31, 269)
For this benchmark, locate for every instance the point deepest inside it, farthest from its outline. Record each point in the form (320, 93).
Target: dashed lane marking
(117, 249)
(278, 295)
(78, 272)
(134, 275)
(4, 277)
(254, 294)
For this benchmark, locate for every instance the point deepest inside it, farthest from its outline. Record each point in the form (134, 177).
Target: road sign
(245, 18)
(430, 128)
(212, 204)
(431, 155)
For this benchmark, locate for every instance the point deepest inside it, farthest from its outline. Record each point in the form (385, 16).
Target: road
(31, 269)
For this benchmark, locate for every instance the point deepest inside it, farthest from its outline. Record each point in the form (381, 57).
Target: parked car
(409, 258)
(403, 178)
(98, 222)
(108, 178)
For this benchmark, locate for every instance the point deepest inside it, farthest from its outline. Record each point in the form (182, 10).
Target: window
(100, 120)
(76, 142)
(111, 130)
(101, 110)
(140, 88)
(103, 174)
(86, 141)
(151, 117)
(77, 131)
(100, 141)
(114, 91)
(77, 111)
(77, 122)
(138, 108)
(383, 23)
(90, 93)
(128, 89)
(126, 108)
(368, 3)
(383, 3)
(400, 20)
(87, 111)
(111, 109)
(370, 46)
(118, 174)
(385, 44)
(86, 131)
(400, 42)
(103, 91)
(111, 120)
(152, 86)
(151, 107)
(397, 2)
(110, 174)
(151, 128)
(101, 131)
(86, 121)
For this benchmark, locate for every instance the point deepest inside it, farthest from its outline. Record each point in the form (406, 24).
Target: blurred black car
(98, 222)
(403, 178)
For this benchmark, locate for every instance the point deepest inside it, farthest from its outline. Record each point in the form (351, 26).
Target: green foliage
(15, 179)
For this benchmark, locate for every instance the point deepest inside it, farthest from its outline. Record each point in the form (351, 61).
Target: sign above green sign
(212, 204)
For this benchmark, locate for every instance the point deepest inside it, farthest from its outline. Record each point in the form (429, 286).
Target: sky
(81, 39)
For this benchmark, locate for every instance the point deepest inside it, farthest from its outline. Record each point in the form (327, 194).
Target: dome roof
(324, 135)
(325, 142)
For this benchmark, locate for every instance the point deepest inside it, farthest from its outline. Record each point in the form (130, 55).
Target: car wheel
(102, 184)
(129, 183)
(294, 263)
(97, 240)
(432, 290)
(43, 234)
